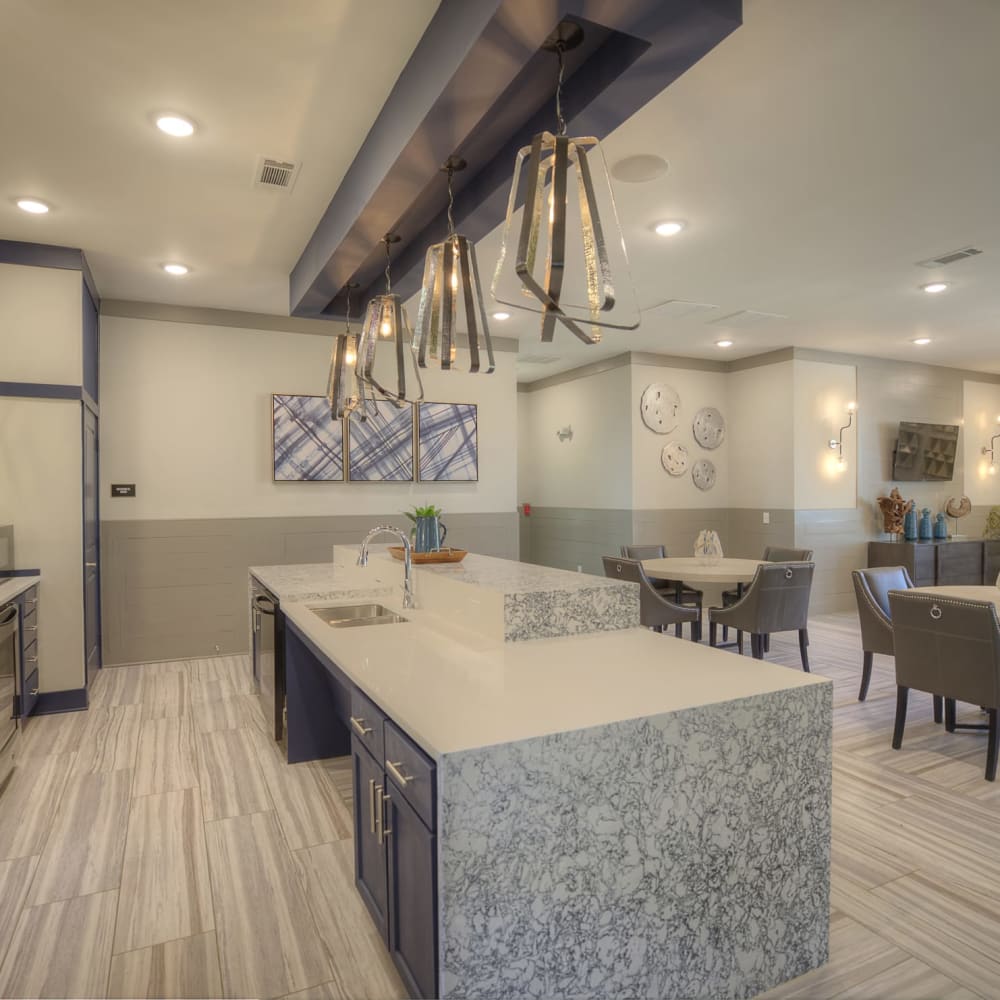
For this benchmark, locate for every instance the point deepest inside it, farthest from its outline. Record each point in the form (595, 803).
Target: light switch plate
(766, 517)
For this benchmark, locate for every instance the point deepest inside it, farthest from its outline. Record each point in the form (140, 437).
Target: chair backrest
(644, 551)
(654, 609)
(776, 600)
(871, 589)
(774, 553)
(947, 646)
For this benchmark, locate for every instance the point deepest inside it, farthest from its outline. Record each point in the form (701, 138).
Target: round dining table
(693, 570)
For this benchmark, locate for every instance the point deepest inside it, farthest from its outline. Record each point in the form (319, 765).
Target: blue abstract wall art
(380, 449)
(448, 442)
(308, 444)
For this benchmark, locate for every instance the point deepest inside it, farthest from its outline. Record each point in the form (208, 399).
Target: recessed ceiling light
(32, 205)
(175, 125)
(176, 269)
(639, 169)
(723, 343)
(670, 228)
(501, 316)
(921, 341)
(935, 287)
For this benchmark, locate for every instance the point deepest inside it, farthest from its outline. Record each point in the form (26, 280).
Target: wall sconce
(991, 451)
(837, 444)
(565, 433)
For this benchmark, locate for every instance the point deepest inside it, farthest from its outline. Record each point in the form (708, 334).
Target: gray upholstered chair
(776, 600)
(775, 554)
(655, 611)
(871, 588)
(951, 648)
(680, 593)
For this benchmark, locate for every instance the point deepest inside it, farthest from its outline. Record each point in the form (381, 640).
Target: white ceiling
(816, 155)
(300, 80)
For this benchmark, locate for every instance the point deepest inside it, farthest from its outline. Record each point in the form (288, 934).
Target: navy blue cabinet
(395, 850)
(26, 696)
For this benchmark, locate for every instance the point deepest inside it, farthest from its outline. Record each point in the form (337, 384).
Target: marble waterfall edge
(688, 856)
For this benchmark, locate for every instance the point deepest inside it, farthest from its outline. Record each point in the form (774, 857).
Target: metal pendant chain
(560, 49)
(388, 265)
(347, 316)
(451, 201)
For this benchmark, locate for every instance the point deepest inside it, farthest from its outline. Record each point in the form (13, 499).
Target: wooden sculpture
(894, 508)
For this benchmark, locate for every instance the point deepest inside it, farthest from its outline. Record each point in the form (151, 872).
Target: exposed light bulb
(385, 329)
(993, 470)
(350, 357)
(852, 407)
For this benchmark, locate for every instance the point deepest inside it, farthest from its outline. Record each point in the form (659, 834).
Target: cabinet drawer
(411, 771)
(29, 626)
(367, 723)
(30, 655)
(30, 599)
(30, 694)
(960, 563)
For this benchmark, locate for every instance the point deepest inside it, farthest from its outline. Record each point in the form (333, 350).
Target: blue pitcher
(428, 534)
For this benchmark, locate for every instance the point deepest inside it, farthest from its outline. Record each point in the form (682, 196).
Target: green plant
(429, 511)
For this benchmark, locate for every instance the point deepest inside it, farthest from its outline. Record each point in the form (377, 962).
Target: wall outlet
(579, 569)
(766, 517)
(217, 649)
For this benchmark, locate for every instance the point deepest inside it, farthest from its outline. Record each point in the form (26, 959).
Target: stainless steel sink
(355, 615)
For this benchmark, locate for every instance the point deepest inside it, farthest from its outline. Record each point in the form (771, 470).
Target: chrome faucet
(408, 601)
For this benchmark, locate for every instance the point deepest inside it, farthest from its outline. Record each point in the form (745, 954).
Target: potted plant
(428, 532)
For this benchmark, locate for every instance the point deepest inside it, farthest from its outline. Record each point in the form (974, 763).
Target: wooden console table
(941, 562)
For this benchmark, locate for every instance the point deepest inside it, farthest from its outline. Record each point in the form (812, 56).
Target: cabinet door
(412, 897)
(369, 855)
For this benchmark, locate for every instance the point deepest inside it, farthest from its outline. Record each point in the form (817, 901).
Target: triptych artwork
(423, 442)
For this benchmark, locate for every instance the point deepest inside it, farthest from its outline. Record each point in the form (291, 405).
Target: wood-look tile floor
(158, 846)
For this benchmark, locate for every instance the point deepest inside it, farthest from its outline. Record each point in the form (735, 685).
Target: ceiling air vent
(949, 258)
(537, 359)
(277, 175)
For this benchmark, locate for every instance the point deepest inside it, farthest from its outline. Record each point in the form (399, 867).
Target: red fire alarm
(526, 509)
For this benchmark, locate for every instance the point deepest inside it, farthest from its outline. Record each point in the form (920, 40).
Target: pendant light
(385, 320)
(347, 393)
(451, 297)
(566, 258)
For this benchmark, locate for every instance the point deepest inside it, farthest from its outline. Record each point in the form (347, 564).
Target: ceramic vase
(428, 534)
(926, 532)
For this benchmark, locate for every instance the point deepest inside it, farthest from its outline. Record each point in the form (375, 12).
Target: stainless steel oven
(269, 657)
(10, 679)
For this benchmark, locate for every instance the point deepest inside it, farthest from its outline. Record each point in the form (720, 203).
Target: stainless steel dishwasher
(269, 656)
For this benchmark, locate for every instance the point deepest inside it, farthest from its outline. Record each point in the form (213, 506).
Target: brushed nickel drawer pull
(394, 770)
(378, 816)
(32, 659)
(386, 830)
(30, 628)
(33, 691)
(33, 601)
(371, 803)
(359, 726)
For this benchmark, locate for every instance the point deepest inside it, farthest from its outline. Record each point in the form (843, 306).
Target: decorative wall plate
(675, 458)
(659, 407)
(703, 474)
(709, 428)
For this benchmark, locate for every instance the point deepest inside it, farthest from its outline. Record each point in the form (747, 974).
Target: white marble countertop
(453, 693)
(516, 577)
(18, 585)
(321, 581)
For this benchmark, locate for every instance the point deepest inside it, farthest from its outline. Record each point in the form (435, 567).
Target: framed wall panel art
(308, 446)
(380, 449)
(448, 442)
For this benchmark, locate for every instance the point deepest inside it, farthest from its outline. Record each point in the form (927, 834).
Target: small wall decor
(958, 507)
(709, 428)
(565, 433)
(703, 474)
(659, 407)
(675, 458)
(448, 442)
(308, 445)
(380, 449)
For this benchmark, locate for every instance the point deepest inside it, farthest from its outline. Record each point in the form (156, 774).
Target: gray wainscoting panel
(748, 536)
(568, 537)
(839, 540)
(177, 589)
(678, 529)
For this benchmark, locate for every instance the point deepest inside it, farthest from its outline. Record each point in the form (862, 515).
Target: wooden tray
(443, 556)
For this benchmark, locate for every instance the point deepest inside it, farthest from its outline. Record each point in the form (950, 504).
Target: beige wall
(40, 473)
(40, 324)
(981, 420)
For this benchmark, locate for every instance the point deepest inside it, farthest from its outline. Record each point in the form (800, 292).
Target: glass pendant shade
(452, 307)
(564, 254)
(385, 324)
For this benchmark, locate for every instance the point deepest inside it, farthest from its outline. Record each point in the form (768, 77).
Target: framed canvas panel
(448, 442)
(380, 448)
(308, 444)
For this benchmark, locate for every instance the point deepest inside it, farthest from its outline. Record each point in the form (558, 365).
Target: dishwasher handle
(264, 604)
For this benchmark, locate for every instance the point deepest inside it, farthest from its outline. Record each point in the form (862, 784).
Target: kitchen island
(604, 813)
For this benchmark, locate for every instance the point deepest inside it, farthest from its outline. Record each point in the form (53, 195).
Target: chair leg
(678, 631)
(897, 733)
(739, 642)
(756, 646)
(725, 633)
(994, 746)
(938, 713)
(767, 644)
(866, 675)
(949, 715)
(713, 632)
(696, 629)
(803, 643)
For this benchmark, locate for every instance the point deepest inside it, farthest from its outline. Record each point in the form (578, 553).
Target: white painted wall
(981, 420)
(594, 469)
(761, 437)
(186, 416)
(40, 475)
(525, 447)
(652, 487)
(40, 324)
(821, 394)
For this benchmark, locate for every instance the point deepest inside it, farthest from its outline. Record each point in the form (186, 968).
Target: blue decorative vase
(940, 527)
(926, 530)
(428, 535)
(910, 525)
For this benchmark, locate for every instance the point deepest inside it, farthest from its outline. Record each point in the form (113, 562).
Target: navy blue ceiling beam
(479, 85)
